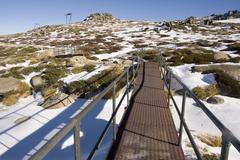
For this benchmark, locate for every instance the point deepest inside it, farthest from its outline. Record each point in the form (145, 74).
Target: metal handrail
(74, 123)
(227, 136)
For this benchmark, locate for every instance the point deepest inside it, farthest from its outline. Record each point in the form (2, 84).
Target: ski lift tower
(68, 18)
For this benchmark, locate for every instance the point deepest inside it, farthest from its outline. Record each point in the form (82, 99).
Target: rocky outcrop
(191, 20)
(208, 22)
(232, 70)
(8, 84)
(100, 17)
(228, 15)
(215, 100)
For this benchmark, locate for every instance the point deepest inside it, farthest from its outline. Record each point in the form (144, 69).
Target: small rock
(221, 55)
(215, 100)
(205, 43)
(37, 81)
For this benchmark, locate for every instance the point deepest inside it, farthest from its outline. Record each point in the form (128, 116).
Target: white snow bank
(192, 79)
(8, 66)
(120, 53)
(235, 20)
(83, 75)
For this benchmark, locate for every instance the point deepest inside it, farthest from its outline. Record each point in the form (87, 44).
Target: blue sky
(21, 15)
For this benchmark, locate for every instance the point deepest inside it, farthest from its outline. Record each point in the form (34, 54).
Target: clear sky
(21, 15)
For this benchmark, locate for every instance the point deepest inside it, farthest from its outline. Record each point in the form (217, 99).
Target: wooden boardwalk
(147, 130)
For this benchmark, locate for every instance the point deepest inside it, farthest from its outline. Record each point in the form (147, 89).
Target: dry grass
(48, 92)
(210, 140)
(211, 90)
(210, 157)
(23, 89)
(10, 99)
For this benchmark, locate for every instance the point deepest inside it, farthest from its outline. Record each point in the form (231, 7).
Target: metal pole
(182, 117)
(225, 148)
(165, 70)
(161, 76)
(128, 89)
(169, 87)
(133, 68)
(114, 107)
(77, 150)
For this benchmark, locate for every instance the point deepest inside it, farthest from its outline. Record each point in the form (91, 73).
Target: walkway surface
(147, 130)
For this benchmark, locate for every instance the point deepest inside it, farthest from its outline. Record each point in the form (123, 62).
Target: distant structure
(68, 18)
(65, 51)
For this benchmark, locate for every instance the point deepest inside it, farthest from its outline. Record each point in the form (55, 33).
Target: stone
(215, 100)
(59, 100)
(79, 61)
(205, 43)
(221, 55)
(127, 62)
(37, 81)
(8, 84)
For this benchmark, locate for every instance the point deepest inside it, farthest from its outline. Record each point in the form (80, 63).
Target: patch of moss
(53, 73)
(76, 70)
(89, 67)
(29, 49)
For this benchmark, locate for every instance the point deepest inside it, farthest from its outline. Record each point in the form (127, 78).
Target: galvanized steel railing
(74, 124)
(227, 136)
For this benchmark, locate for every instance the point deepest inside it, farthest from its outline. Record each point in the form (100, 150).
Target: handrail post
(128, 89)
(77, 146)
(113, 108)
(225, 148)
(165, 70)
(182, 117)
(133, 67)
(169, 87)
(160, 63)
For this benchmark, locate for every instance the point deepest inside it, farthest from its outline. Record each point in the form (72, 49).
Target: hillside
(58, 61)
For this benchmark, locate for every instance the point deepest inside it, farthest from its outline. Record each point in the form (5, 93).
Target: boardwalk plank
(147, 130)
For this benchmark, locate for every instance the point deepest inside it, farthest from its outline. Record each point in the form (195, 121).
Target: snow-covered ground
(197, 120)
(22, 140)
(83, 75)
(235, 20)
